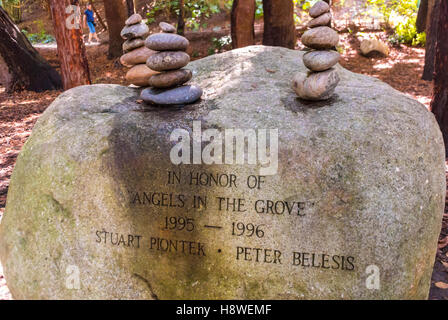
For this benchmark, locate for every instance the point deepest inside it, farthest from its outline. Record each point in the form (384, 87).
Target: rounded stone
(166, 27)
(139, 75)
(316, 85)
(166, 42)
(176, 96)
(370, 46)
(319, 8)
(168, 60)
(139, 30)
(322, 20)
(134, 19)
(320, 38)
(365, 172)
(170, 79)
(132, 44)
(136, 56)
(318, 60)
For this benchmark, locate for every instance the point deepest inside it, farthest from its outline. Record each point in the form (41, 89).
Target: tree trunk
(242, 23)
(431, 36)
(130, 6)
(71, 50)
(21, 66)
(439, 103)
(279, 29)
(116, 15)
(97, 14)
(329, 23)
(180, 19)
(422, 16)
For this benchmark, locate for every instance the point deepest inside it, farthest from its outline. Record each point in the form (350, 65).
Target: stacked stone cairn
(167, 87)
(321, 81)
(135, 52)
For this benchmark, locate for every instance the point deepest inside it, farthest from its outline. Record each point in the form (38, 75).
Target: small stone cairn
(167, 87)
(321, 81)
(135, 52)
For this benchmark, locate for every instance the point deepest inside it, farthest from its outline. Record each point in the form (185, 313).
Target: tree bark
(21, 66)
(439, 103)
(180, 19)
(279, 29)
(242, 23)
(71, 50)
(116, 15)
(130, 6)
(431, 36)
(97, 14)
(422, 16)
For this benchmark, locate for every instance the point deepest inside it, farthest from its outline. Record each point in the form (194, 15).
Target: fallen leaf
(270, 71)
(441, 285)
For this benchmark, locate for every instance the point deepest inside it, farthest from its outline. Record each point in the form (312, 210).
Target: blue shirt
(89, 14)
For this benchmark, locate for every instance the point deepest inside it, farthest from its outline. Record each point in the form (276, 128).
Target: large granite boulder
(96, 209)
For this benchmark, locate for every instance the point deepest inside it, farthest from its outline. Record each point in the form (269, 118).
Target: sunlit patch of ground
(18, 113)
(402, 69)
(4, 292)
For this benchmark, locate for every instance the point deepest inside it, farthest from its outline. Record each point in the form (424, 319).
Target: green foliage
(258, 8)
(195, 11)
(401, 16)
(305, 4)
(218, 44)
(41, 37)
(12, 2)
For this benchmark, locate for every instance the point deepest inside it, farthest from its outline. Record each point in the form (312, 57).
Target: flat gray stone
(319, 60)
(166, 27)
(320, 38)
(132, 44)
(168, 60)
(166, 42)
(170, 79)
(322, 20)
(176, 96)
(139, 75)
(135, 31)
(136, 56)
(134, 19)
(319, 8)
(364, 170)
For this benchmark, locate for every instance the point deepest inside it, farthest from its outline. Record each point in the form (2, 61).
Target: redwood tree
(242, 23)
(439, 103)
(71, 50)
(21, 66)
(279, 29)
(116, 15)
(427, 21)
(180, 19)
(98, 16)
(131, 7)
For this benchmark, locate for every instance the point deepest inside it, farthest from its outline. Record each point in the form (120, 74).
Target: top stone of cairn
(166, 41)
(166, 27)
(319, 8)
(134, 19)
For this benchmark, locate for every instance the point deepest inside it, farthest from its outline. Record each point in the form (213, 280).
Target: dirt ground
(19, 111)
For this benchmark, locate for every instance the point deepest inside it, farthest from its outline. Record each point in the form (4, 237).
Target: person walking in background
(89, 21)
